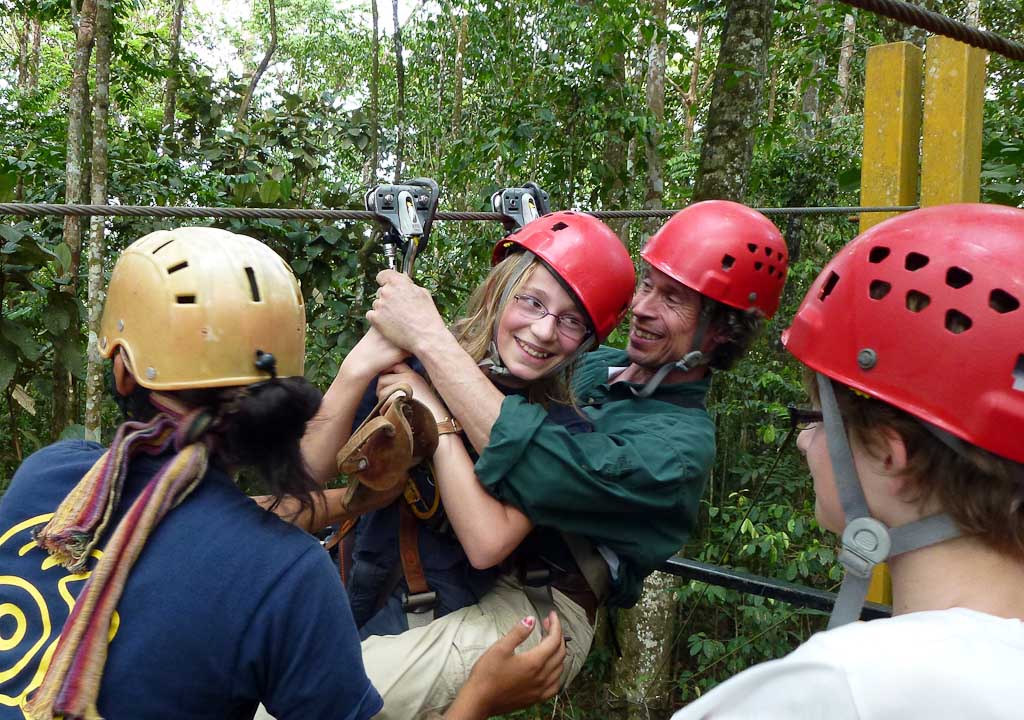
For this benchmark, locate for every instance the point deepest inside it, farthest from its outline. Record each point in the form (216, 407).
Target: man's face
(665, 315)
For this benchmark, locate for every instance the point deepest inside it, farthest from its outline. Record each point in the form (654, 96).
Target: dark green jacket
(632, 485)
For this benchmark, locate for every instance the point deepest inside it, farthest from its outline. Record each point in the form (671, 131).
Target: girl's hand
(402, 374)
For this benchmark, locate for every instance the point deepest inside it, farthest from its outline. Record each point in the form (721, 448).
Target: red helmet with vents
(923, 311)
(724, 250)
(588, 257)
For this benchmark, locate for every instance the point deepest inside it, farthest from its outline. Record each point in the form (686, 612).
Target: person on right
(914, 343)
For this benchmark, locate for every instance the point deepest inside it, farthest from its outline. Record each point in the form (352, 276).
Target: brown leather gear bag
(397, 435)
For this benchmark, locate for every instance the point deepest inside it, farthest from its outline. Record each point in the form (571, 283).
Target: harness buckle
(535, 577)
(866, 543)
(418, 603)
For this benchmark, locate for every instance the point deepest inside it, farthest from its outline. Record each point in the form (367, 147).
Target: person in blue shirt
(138, 581)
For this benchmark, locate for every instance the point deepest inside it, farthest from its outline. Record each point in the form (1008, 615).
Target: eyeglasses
(570, 326)
(803, 418)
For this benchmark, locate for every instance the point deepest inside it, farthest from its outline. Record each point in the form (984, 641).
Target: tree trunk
(33, 67)
(173, 71)
(84, 31)
(810, 103)
(400, 101)
(972, 16)
(243, 108)
(728, 144)
(460, 52)
(373, 162)
(845, 55)
(655, 91)
(642, 674)
(616, 152)
(693, 94)
(100, 109)
(22, 32)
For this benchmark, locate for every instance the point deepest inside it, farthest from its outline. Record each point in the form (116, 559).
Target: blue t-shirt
(226, 606)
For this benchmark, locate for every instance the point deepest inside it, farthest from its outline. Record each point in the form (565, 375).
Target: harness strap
(419, 603)
(591, 564)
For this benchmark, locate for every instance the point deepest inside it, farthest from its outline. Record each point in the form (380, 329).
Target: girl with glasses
(557, 288)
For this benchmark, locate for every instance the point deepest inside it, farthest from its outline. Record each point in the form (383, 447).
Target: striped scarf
(72, 681)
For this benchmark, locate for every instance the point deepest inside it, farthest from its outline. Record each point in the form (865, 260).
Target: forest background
(606, 104)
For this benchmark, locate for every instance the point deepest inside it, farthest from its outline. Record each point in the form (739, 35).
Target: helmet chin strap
(866, 541)
(695, 358)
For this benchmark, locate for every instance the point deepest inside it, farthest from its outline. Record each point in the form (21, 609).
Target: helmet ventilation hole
(957, 322)
(829, 286)
(751, 247)
(161, 247)
(1002, 301)
(957, 278)
(727, 262)
(186, 299)
(768, 252)
(254, 289)
(1018, 374)
(180, 266)
(758, 265)
(771, 269)
(878, 254)
(879, 289)
(915, 261)
(917, 301)
(559, 226)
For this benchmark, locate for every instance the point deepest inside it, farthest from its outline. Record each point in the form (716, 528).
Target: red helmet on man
(587, 256)
(923, 312)
(724, 250)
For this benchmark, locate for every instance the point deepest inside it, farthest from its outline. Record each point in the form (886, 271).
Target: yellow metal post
(890, 166)
(954, 98)
(892, 128)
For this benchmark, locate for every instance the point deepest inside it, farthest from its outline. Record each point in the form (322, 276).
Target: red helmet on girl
(587, 256)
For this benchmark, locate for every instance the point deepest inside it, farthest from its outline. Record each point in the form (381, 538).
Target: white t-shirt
(942, 665)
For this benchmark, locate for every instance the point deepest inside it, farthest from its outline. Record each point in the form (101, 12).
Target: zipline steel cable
(933, 22)
(47, 209)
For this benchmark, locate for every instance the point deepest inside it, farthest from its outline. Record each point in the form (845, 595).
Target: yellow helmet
(193, 306)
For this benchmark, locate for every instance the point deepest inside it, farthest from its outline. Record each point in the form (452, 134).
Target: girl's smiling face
(532, 347)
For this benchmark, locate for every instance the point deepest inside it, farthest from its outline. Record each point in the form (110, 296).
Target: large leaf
(21, 337)
(8, 364)
(72, 358)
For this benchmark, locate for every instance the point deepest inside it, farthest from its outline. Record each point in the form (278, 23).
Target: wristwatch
(448, 425)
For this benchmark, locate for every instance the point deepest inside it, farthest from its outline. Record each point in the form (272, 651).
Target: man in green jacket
(632, 486)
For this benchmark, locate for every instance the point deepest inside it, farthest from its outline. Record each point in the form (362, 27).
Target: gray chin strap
(866, 541)
(692, 359)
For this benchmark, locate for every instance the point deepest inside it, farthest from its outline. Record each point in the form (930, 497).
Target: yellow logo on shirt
(29, 628)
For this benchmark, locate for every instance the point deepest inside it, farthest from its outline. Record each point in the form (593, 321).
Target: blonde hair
(475, 329)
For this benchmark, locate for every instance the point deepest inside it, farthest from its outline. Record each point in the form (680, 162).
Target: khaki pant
(422, 669)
